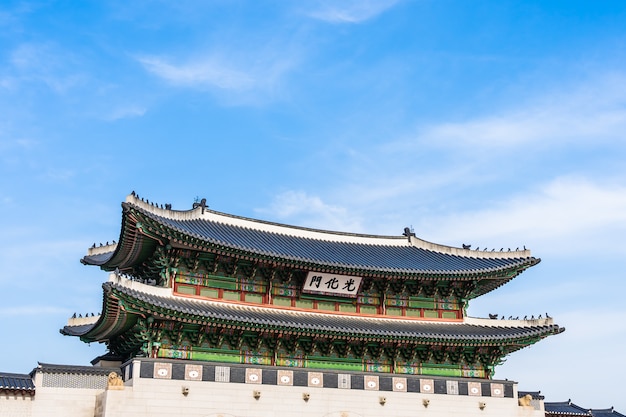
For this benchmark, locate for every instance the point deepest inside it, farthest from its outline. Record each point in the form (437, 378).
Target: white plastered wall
(155, 397)
(15, 405)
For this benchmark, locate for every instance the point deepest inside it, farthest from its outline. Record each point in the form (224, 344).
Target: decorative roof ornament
(202, 204)
(408, 232)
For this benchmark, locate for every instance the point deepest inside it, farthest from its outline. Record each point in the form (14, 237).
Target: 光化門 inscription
(322, 283)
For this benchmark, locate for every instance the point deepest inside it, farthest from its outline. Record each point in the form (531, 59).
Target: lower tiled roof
(16, 383)
(254, 317)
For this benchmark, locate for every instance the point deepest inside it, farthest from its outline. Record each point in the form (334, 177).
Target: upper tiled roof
(16, 383)
(317, 249)
(485, 331)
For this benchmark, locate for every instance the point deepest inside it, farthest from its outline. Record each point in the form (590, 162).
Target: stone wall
(183, 388)
(152, 397)
(155, 388)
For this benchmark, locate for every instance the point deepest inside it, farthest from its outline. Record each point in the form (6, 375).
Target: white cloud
(588, 112)
(243, 78)
(58, 175)
(44, 63)
(350, 11)
(209, 72)
(126, 112)
(567, 214)
(302, 209)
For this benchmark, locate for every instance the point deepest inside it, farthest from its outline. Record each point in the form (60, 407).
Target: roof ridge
(204, 213)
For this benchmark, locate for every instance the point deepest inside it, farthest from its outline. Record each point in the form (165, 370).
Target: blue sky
(493, 123)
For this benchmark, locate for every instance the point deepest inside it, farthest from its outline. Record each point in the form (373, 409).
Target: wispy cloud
(58, 175)
(210, 72)
(247, 78)
(591, 111)
(350, 11)
(125, 112)
(298, 207)
(44, 63)
(554, 218)
(560, 214)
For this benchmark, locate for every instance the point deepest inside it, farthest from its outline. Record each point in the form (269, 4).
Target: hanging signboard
(332, 284)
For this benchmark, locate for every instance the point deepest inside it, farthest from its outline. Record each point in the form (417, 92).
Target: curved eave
(189, 237)
(284, 321)
(133, 247)
(114, 320)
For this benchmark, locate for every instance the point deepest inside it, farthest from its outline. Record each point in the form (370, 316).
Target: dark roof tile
(606, 412)
(378, 254)
(565, 408)
(16, 382)
(403, 258)
(250, 315)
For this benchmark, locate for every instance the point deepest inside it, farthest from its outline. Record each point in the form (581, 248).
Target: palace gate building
(211, 314)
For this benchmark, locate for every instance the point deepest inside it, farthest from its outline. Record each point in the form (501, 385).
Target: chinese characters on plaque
(322, 283)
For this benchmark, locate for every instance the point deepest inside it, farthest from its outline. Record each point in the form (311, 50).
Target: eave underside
(127, 315)
(143, 233)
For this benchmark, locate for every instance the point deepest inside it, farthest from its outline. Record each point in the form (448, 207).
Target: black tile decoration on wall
(385, 383)
(270, 377)
(208, 373)
(146, 370)
(238, 375)
(300, 379)
(330, 379)
(463, 389)
(440, 387)
(413, 385)
(356, 382)
(178, 371)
